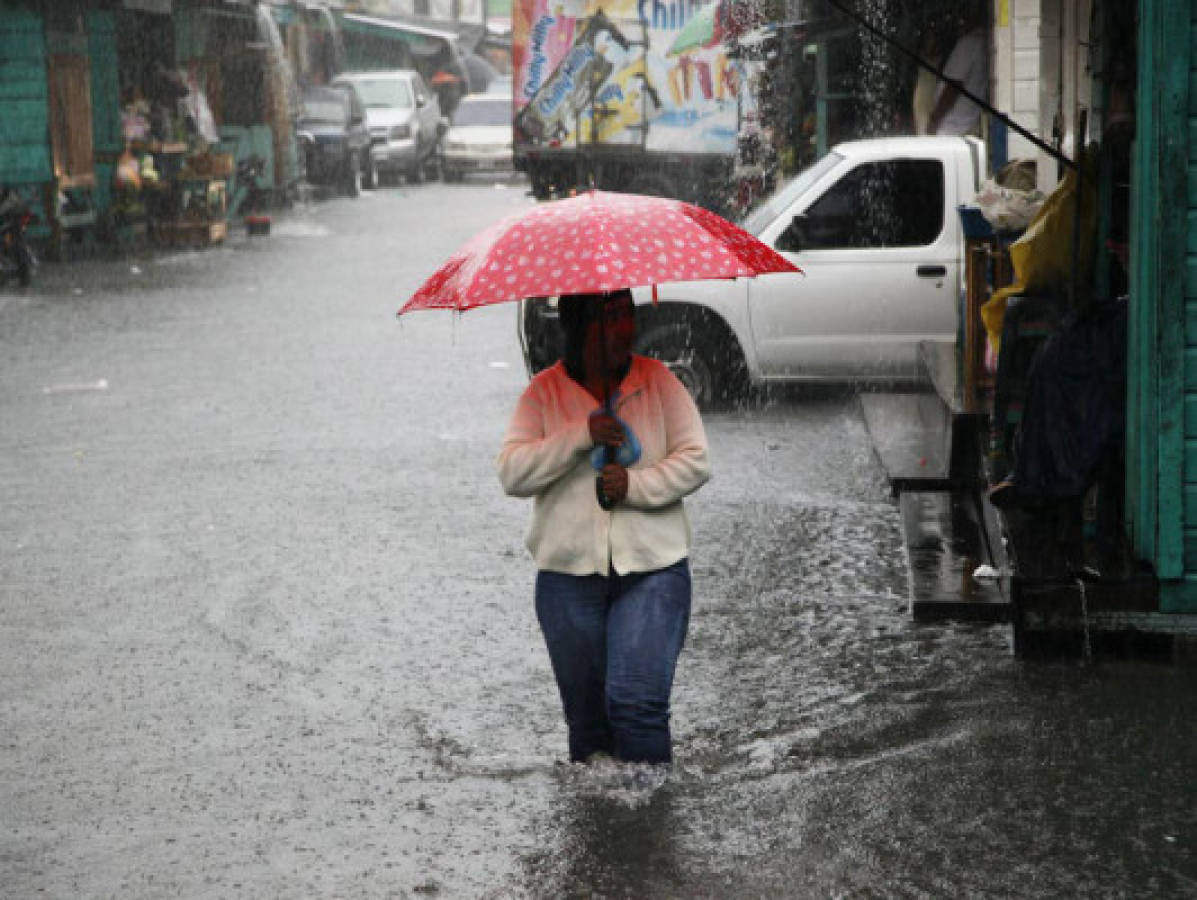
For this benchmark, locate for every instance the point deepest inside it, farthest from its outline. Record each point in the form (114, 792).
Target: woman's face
(617, 329)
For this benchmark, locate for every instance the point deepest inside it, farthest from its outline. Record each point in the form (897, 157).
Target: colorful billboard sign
(647, 73)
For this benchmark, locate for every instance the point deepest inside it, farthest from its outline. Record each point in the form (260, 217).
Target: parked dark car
(335, 140)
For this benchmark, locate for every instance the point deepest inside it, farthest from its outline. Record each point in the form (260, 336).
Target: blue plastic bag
(625, 454)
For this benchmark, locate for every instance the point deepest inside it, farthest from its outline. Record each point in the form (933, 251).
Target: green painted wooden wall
(107, 137)
(1142, 382)
(1162, 383)
(191, 33)
(371, 48)
(24, 109)
(1185, 596)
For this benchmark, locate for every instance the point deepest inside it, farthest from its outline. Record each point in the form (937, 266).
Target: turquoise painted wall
(24, 106)
(107, 137)
(1162, 383)
(1186, 598)
(25, 147)
(369, 48)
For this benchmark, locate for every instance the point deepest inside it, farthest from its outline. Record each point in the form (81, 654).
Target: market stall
(167, 131)
(202, 87)
(233, 59)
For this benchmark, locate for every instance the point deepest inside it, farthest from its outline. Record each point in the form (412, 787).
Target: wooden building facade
(1121, 83)
(71, 72)
(1162, 396)
(59, 103)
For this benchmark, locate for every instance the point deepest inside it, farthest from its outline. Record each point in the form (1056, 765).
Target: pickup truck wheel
(692, 355)
(540, 185)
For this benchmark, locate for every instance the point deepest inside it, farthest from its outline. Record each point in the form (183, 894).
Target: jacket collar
(633, 382)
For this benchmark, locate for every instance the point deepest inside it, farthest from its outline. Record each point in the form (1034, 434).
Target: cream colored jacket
(546, 456)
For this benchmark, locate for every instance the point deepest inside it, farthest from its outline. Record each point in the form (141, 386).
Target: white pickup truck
(874, 227)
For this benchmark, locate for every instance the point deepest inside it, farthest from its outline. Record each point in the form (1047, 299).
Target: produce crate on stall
(193, 234)
(200, 204)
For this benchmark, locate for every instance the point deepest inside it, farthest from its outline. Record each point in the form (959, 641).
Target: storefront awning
(419, 37)
(161, 7)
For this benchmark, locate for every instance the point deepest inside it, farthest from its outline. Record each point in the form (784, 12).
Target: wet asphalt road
(267, 630)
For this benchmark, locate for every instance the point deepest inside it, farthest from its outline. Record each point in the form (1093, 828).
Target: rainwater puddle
(77, 387)
(7, 301)
(627, 784)
(299, 228)
(202, 257)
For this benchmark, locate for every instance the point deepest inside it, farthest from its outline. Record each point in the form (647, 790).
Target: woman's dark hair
(575, 312)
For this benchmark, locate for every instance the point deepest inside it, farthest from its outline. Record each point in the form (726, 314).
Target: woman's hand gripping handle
(611, 484)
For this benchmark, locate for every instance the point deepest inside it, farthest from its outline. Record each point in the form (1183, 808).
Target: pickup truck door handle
(931, 271)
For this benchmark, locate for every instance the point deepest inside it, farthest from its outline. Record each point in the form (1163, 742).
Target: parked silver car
(404, 118)
(479, 136)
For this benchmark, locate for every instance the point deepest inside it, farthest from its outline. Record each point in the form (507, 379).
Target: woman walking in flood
(613, 580)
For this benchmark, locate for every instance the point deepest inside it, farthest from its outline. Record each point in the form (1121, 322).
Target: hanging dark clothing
(1075, 407)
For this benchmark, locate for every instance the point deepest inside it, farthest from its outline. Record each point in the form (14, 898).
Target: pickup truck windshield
(385, 92)
(781, 199)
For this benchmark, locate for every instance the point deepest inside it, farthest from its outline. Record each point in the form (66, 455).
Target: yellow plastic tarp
(1042, 257)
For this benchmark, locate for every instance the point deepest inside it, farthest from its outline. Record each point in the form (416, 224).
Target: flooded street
(267, 625)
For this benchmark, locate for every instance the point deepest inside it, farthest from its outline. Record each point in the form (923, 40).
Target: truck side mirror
(791, 240)
(421, 100)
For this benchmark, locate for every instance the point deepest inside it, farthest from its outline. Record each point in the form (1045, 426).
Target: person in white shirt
(954, 113)
(613, 582)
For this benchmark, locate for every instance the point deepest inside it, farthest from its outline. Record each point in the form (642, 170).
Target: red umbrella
(591, 243)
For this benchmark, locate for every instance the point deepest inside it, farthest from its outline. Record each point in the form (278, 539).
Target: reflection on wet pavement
(828, 746)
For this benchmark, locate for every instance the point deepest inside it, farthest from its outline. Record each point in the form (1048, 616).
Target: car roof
(910, 144)
(485, 97)
(381, 74)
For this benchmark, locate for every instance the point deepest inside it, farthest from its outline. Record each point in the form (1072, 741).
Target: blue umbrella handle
(603, 500)
(608, 454)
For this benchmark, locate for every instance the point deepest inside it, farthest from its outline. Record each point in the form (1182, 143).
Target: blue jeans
(614, 644)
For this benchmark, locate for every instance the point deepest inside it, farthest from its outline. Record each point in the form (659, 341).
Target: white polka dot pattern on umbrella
(598, 241)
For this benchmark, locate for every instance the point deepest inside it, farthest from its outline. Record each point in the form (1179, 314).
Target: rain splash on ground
(267, 626)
